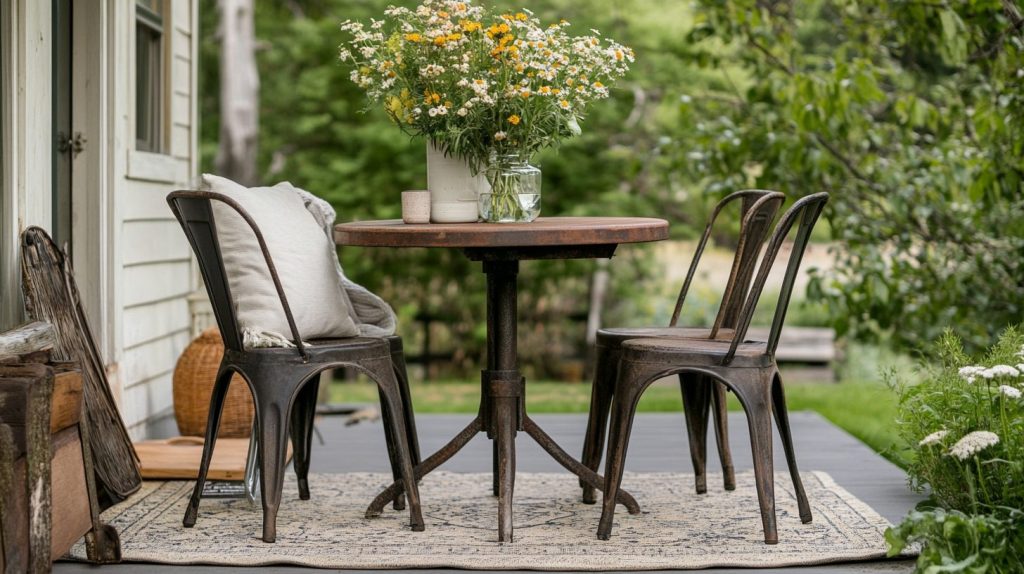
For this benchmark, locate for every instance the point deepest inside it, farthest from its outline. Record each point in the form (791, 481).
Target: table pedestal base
(502, 407)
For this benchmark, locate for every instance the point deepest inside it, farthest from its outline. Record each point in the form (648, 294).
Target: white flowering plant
(480, 82)
(965, 420)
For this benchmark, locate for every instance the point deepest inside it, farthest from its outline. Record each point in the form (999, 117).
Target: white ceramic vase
(453, 188)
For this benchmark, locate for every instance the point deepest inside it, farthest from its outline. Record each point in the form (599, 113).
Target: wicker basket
(193, 383)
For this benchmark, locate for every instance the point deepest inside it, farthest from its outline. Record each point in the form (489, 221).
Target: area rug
(678, 529)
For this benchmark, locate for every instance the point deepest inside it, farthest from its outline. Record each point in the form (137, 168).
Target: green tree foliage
(911, 114)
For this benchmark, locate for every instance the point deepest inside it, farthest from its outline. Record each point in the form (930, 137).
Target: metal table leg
(502, 408)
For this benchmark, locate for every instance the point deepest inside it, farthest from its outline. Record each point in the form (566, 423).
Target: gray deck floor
(819, 445)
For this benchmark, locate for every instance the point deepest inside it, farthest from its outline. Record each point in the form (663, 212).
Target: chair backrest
(805, 212)
(194, 211)
(758, 209)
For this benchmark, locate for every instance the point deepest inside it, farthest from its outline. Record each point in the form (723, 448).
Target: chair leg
(217, 396)
(389, 439)
(601, 394)
(398, 360)
(382, 371)
(785, 433)
(273, 416)
(302, 417)
(696, 391)
(755, 393)
(627, 392)
(720, 407)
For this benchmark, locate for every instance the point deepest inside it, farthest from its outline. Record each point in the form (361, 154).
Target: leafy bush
(956, 542)
(965, 419)
(910, 114)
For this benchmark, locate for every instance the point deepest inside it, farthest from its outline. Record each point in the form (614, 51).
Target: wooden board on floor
(179, 458)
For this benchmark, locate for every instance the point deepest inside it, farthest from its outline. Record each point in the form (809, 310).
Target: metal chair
(758, 209)
(748, 368)
(283, 381)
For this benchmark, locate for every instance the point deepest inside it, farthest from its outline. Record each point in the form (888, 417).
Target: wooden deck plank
(820, 446)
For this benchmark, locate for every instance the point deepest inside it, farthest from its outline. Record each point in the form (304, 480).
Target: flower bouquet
(489, 88)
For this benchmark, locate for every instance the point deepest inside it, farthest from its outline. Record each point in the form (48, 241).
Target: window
(149, 75)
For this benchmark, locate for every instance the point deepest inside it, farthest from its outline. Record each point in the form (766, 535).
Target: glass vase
(514, 196)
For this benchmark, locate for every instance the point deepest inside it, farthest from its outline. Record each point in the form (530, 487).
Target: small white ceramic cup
(416, 206)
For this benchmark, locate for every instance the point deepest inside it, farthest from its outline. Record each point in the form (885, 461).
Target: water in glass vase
(514, 196)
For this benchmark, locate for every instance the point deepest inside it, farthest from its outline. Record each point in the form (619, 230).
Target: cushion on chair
(302, 254)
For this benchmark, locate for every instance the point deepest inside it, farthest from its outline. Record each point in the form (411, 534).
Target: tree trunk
(239, 93)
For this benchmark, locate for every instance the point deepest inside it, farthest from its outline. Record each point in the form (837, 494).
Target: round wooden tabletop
(545, 231)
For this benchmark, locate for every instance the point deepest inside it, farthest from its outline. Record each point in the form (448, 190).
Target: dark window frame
(150, 78)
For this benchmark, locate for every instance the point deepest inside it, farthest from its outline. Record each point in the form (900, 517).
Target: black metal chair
(748, 368)
(758, 209)
(283, 381)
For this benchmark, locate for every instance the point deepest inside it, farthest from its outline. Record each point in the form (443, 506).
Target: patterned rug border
(569, 556)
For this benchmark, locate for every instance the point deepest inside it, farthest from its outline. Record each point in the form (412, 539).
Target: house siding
(133, 264)
(157, 272)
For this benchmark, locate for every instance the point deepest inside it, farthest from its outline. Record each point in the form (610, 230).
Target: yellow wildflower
(513, 119)
(521, 17)
(454, 37)
(413, 37)
(469, 26)
(440, 40)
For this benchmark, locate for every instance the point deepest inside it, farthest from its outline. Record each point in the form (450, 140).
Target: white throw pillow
(302, 255)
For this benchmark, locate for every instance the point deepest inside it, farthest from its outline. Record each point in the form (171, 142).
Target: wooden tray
(179, 457)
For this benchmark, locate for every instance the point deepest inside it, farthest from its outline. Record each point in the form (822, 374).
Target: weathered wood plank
(29, 338)
(51, 294)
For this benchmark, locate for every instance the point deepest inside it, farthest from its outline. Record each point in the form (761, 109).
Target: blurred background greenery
(910, 113)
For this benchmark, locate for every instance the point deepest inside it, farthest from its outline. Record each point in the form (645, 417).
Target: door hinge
(74, 144)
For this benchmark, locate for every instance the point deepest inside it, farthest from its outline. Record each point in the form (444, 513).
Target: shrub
(966, 421)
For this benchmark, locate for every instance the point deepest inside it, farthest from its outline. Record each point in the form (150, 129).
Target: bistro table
(500, 247)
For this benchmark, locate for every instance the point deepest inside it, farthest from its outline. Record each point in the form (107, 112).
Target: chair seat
(614, 337)
(321, 351)
(697, 352)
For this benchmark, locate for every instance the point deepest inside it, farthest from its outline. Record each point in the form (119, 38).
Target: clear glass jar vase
(514, 196)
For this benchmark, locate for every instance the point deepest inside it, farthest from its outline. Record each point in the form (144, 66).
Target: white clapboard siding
(140, 402)
(181, 141)
(146, 323)
(156, 267)
(155, 358)
(156, 282)
(140, 247)
(148, 200)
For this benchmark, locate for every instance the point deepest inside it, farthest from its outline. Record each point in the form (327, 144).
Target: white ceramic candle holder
(416, 206)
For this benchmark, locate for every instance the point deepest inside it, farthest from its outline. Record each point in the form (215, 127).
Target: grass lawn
(865, 410)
